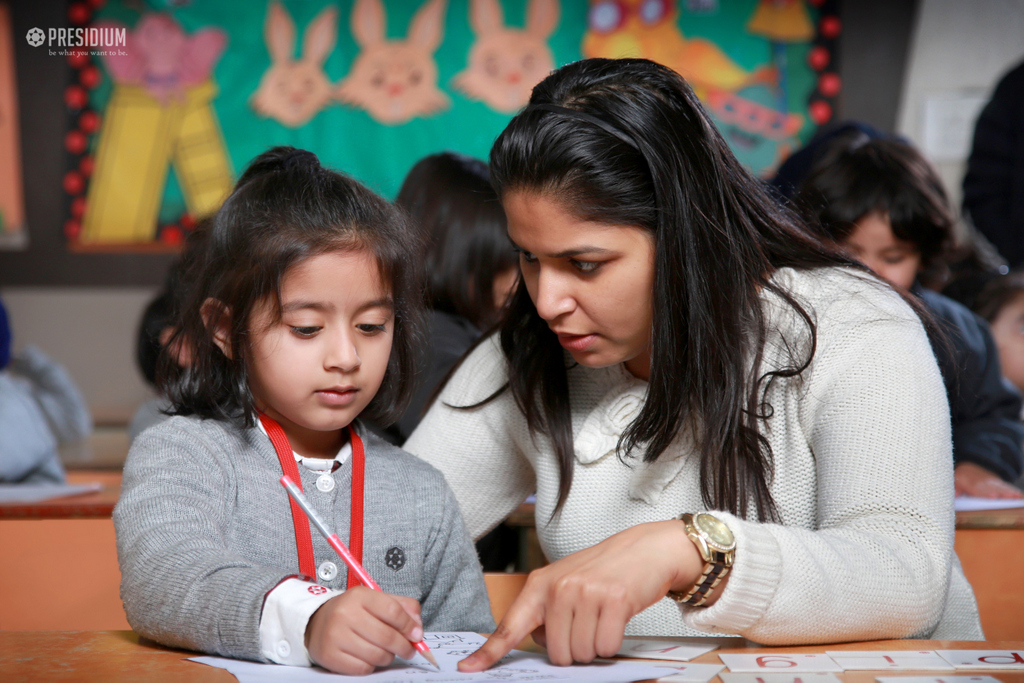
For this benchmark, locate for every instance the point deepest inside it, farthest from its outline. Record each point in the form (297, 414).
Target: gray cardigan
(204, 532)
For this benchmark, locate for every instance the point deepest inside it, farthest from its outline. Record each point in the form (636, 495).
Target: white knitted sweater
(863, 476)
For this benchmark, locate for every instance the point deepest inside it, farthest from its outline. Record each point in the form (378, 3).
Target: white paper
(668, 649)
(449, 649)
(1006, 660)
(810, 677)
(948, 124)
(35, 493)
(896, 660)
(779, 663)
(937, 679)
(968, 503)
(691, 673)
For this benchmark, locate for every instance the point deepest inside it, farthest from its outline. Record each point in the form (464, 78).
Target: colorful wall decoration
(13, 233)
(159, 129)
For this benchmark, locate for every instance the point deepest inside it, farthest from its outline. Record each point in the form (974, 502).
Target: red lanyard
(303, 538)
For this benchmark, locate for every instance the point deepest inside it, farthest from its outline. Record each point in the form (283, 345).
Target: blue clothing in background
(40, 407)
(984, 407)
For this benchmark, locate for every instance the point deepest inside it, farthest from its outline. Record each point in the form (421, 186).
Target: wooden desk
(98, 505)
(67, 548)
(989, 543)
(112, 656)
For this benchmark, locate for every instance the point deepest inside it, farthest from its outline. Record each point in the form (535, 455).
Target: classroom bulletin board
(161, 118)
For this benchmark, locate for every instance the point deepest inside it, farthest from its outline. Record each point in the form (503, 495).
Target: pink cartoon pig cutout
(505, 63)
(395, 80)
(293, 91)
(159, 57)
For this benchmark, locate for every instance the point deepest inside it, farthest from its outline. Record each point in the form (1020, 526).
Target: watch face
(717, 531)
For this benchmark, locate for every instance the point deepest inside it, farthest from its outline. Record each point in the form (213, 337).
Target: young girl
(302, 319)
(881, 200)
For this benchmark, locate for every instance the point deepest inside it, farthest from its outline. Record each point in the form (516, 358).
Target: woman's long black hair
(285, 209)
(627, 142)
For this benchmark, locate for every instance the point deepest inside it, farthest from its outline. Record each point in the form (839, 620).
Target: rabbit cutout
(505, 63)
(395, 80)
(292, 92)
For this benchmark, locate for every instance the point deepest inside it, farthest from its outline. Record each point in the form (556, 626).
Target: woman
(719, 358)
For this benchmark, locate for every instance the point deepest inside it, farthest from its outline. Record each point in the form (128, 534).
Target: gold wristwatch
(717, 547)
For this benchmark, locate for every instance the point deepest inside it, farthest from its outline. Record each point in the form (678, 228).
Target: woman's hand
(362, 629)
(578, 607)
(974, 480)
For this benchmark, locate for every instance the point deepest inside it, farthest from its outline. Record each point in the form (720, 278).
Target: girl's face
(593, 283)
(1008, 330)
(873, 243)
(317, 368)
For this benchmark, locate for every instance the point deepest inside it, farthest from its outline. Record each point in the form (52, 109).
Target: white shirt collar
(317, 464)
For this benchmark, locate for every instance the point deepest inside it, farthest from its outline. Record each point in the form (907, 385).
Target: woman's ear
(217, 319)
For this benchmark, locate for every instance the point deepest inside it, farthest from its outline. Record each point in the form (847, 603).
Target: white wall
(958, 52)
(91, 331)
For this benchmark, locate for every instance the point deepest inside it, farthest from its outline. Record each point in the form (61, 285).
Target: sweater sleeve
(874, 413)
(474, 447)
(457, 597)
(180, 583)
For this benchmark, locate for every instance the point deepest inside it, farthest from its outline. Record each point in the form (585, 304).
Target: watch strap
(716, 567)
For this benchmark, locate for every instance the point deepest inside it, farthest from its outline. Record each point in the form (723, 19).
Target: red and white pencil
(332, 538)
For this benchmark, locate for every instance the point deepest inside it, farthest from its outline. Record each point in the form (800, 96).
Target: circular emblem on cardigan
(395, 558)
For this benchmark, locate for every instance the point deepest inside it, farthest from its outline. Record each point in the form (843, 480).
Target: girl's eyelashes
(372, 329)
(305, 332)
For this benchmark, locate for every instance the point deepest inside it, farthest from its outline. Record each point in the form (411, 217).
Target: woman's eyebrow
(579, 251)
(570, 253)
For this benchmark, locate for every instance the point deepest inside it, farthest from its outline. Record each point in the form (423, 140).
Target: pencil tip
(429, 656)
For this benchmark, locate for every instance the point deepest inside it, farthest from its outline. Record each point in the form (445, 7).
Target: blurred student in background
(470, 265)
(40, 408)
(1001, 303)
(882, 200)
(156, 330)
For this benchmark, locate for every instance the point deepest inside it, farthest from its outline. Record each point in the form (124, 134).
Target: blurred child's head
(1001, 303)
(152, 352)
(470, 264)
(885, 203)
(5, 338)
(306, 307)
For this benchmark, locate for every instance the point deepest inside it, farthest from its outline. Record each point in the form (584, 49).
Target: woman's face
(874, 244)
(1008, 331)
(591, 282)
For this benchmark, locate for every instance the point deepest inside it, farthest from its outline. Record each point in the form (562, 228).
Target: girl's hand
(362, 629)
(974, 480)
(578, 607)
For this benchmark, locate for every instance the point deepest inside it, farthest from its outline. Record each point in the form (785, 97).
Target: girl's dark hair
(998, 293)
(857, 176)
(287, 208)
(450, 198)
(627, 142)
